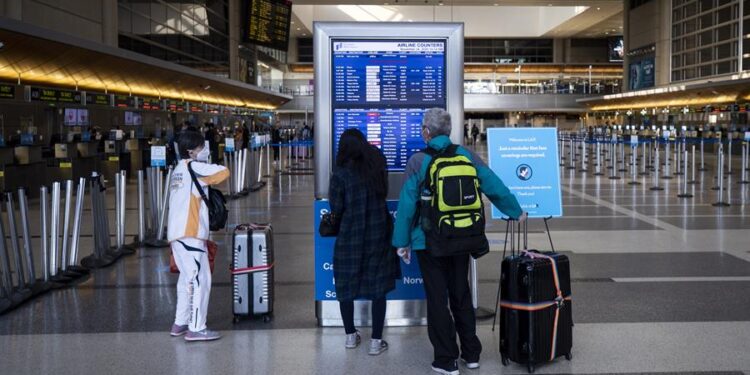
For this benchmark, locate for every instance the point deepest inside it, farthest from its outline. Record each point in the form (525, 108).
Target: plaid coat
(365, 265)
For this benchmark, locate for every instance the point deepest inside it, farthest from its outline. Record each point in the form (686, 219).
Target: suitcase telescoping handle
(515, 242)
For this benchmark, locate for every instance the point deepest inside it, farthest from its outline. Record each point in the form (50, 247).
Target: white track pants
(194, 284)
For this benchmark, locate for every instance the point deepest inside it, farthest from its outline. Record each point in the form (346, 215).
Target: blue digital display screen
(382, 88)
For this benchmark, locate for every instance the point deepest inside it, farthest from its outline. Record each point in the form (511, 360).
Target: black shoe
(446, 370)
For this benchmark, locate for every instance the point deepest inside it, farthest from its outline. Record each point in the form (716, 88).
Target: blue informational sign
(2, 141)
(382, 88)
(642, 73)
(85, 136)
(409, 287)
(27, 139)
(526, 160)
(158, 156)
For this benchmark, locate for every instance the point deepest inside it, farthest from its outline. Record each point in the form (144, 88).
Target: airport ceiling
(592, 19)
(32, 55)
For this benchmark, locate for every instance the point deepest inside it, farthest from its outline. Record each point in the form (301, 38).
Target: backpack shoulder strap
(197, 185)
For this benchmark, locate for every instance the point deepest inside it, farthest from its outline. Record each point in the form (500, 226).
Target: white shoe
(353, 340)
(470, 365)
(377, 346)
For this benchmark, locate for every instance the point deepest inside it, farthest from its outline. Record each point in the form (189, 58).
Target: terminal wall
(87, 19)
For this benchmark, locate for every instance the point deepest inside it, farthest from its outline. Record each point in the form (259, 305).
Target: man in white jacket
(188, 232)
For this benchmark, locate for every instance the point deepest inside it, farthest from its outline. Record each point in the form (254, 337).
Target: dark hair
(189, 140)
(366, 160)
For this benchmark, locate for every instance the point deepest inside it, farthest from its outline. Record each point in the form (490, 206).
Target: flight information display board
(267, 23)
(382, 88)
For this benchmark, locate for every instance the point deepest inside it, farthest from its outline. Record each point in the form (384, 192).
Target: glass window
(691, 25)
(706, 55)
(690, 9)
(724, 33)
(706, 37)
(677, 75)
(690, 42)
(676, 61)
(724, 51)
(676, 30)
(689, 58)
(676, 15)
(707, 20)
(724, 67)
(677, 45)
(705, 70)
(724, 14)
(706, 5)
(689, 73)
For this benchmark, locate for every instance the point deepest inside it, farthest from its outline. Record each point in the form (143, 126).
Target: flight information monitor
(382, 88)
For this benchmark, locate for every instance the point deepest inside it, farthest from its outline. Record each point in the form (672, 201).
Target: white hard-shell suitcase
(252, 271)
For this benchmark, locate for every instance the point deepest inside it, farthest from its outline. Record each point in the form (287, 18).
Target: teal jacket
(404, 232)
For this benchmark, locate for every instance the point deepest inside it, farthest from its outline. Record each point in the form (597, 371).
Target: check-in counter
(66, 151)
(111, 164)
(28, 154)
(6, 158)
(140, 154)
(31, 176)
(61, 169)
(87, 149)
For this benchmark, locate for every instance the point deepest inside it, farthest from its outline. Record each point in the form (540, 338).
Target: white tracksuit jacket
(188, 214)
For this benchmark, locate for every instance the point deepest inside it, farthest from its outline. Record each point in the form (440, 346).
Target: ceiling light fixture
(597, 8)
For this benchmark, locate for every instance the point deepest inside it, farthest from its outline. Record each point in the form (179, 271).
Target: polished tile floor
(662, 285)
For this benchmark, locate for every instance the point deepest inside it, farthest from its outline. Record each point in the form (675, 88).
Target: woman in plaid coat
(365, 266)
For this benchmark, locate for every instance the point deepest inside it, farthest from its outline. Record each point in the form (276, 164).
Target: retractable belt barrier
(59, 250)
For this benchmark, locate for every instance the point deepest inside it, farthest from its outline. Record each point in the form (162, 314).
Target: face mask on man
(203, 155)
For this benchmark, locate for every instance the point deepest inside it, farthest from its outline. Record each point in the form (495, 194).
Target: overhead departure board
(267, 23)
(382, 88)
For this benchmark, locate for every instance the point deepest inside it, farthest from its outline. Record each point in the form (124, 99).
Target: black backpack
(216, 203)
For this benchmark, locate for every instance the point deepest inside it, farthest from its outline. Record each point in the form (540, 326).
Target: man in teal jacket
(445, 278)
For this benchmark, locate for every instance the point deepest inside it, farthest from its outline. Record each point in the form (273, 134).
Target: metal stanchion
(15, 246)
(703, 165)
(678, 154)
(56, 274)
(141, 210)
(622, 157)
(598, 171)
(633, 167)
(583, 157)
(720, 174)
(644, 172)
(28, 251)
(6, 281)
(744, 180)
(656, 186)
(269, 159)
(103, 254)
(667, 173)
(75, 237)
(613, 175)
(562, 152)
(66, 226)
(126, 249)
(20, 293)
(118, 228)
(692, 166)
(44, 215)
(571, 156)
(685, 193)
(162, 217)
(729, 154)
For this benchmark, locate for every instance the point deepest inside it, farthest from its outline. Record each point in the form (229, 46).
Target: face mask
(203, 155)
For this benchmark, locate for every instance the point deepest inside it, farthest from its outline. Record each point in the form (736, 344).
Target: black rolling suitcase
(252, 271)
(536, 319)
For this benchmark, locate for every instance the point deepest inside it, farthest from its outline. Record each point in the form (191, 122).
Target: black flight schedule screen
(383, 88)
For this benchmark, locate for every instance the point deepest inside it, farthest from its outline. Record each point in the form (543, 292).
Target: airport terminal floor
(660, 285)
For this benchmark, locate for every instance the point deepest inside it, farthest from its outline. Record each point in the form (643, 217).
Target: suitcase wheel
(569, 356)
(531, 368)
(267, 318)
(505, 361)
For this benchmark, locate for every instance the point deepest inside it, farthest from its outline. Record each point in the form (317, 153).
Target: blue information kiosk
(380, 78)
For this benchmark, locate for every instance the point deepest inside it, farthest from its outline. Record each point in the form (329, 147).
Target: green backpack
(451, 210)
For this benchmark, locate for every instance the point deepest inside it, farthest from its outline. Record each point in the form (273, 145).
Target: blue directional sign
(526, 159)
(409, 287)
